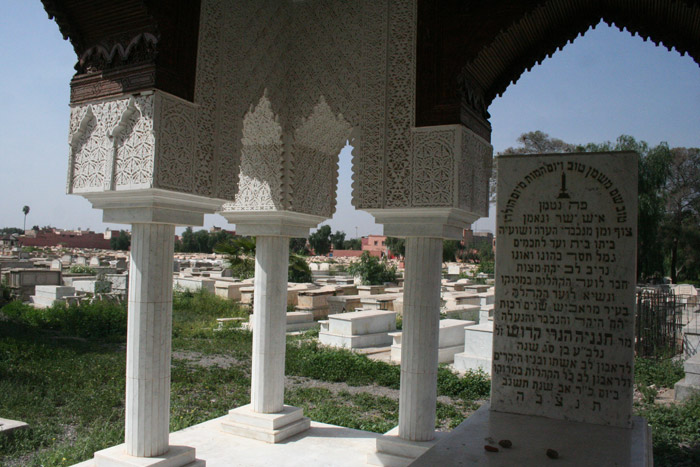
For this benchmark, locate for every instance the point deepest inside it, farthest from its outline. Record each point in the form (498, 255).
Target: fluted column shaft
(269, 324)
(149, 339)
(419, 342)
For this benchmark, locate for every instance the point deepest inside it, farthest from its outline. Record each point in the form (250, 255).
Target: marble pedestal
(268, 427)
(577, 444)
(398, 452)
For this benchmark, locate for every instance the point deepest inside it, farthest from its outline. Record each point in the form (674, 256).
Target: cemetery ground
(62, 370)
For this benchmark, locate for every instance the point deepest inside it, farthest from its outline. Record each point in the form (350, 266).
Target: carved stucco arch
(470, 52)
(556, 23)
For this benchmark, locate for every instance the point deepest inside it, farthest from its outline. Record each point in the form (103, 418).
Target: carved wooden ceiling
(129, 45)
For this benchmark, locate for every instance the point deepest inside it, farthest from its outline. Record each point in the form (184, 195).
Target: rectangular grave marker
(565, 286)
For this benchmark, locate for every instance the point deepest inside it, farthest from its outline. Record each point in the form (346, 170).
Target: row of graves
(66, 278)
(363, 317)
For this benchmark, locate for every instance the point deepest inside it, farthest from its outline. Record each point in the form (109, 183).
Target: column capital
(272, 223)
(424, 222)
(153, 206)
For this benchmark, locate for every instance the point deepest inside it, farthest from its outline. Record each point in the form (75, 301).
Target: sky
(606, 83)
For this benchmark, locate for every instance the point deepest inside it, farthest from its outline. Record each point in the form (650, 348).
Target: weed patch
(94, 320)
(675, 432)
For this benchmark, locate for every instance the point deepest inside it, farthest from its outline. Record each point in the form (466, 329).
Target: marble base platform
(397, 452)
(267, 427)
(321, 445)
(577, 444)
(176, 456)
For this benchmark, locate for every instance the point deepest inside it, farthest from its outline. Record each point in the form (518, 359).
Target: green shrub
(195, 313)
(94, 320)
(474, 385)
(660, 372)
(675, 432)
(299, 270)
(337, 365)
(82, 269)
(372, 271)
(5, 294)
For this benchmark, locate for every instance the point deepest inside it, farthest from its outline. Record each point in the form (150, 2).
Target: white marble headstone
(565, 286)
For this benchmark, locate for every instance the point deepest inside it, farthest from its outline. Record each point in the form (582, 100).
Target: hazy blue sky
(605, 84)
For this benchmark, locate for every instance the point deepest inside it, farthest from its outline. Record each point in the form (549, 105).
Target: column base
(398, 452)
(269, 427)
(175, 456)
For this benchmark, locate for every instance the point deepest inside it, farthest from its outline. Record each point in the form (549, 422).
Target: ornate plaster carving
(260, 182)
(317, 143)
(433, 163)
(137, 142)
(474, 173)
(452, 167)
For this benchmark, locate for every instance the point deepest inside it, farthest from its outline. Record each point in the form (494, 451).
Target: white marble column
(149, 339)
(269, 324)
(266, 418)
(419, 347)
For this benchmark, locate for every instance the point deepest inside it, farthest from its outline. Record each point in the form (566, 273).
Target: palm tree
(25, 210)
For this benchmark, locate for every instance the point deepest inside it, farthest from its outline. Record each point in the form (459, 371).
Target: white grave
(45, 296)
(478, 348)
(689, 385)
(450, 340)
(358, 329)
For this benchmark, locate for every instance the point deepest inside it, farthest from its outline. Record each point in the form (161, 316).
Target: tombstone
(66, 260)
(92, 286)
(691, 338)
(120, 282)
(193, 284)
(94, 262)
(564, 319)
(56, 265)
(365, 290)
(119, 263)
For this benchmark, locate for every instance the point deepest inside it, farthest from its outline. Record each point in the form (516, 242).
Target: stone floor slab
(322, 444)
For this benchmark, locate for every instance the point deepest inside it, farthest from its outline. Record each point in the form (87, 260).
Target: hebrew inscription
(565, 284)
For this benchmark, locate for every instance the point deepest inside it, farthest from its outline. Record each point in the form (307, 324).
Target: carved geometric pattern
(369, 144)
(474, 173)
(176, 168)
(136, 146)
(401, 89)
(90, 145)
(433, 166)
(137, 142)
